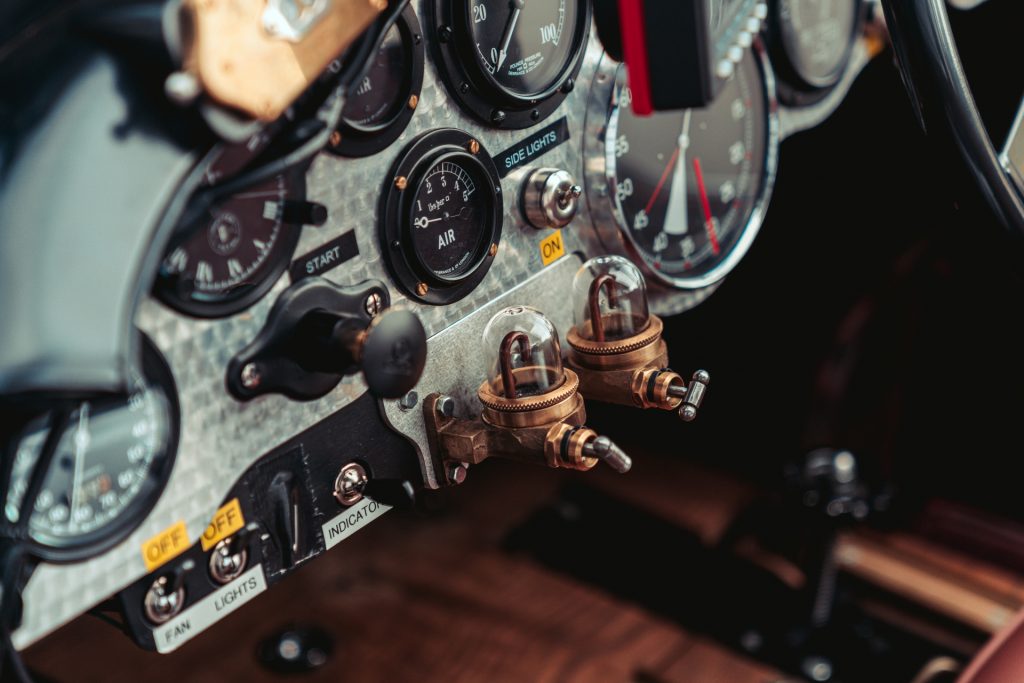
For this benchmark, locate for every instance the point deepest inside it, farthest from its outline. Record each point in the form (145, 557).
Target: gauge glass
(817, 36)
(687, 184)
(450, 214)
(234, 252)
(524, 45)
(107, 469)
(383, 92)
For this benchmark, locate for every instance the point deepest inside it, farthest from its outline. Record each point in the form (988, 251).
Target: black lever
(318, 332)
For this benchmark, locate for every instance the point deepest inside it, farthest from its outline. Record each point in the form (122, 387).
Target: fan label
(226, 521)
(209, 610)
(352, 520)
(538, 144)
(165, 546)
(325, 257)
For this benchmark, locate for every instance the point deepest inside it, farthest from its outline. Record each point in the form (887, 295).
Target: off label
(352, 520)
(165, 546)
(209, 610)
(226, 521)
(552, 248)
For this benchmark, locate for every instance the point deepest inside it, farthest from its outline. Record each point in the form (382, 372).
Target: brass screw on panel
(493, 250)
(335, 139)
(422, 289)
(414, 101)
(401, 182)
(474, 147)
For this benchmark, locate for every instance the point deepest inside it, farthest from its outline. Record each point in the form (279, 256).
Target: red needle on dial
(709, 220)
(661, 183)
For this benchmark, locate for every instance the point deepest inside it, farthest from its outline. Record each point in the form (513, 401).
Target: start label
(552, 248)
(165, 546)
(209, 610)
(352, 520)
(226, 521)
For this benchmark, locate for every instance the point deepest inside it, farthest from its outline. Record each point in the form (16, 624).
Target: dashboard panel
(361, 221)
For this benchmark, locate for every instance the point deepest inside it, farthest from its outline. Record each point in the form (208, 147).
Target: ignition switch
(550, 198)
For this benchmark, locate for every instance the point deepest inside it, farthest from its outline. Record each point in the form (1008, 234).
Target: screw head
(535, 115)
(250, 376)
(401, 182)
(497, 116)
(373, 304)
(457, 473)
(493, 251)
(350, 484)
(335, 139)
(569, 86)
(474, 147)
(422, 289)
(444, 34)
(414, 101)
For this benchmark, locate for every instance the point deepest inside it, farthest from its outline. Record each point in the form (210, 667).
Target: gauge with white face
(110, 464)
(817, 37)
(689, 187)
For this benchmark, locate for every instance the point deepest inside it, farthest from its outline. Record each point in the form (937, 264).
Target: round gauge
(511, 62)
(690, 187)
(815, 38)
(442, 216)
(109, 467)
(379, 107)
(236, 249)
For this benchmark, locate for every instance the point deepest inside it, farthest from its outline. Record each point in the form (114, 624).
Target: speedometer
(689, 188)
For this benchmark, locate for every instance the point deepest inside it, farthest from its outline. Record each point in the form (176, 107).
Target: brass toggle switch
(532, 408)
(616, 345)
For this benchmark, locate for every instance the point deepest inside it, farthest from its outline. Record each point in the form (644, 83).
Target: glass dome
(613, 289)
(525, 351)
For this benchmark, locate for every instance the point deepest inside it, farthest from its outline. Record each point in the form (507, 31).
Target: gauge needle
(82, 439)
(423, 222)
(709, 220)
(517, 8)
(677, 220)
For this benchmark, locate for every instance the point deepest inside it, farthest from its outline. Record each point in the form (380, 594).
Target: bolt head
(457, 474)
(350, 484)
(498, 116)
(409, 401)
(250, 376)
(446, 406)
(373, 305)
(422, 289)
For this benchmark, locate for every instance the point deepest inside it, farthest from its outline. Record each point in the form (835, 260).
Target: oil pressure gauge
(441, 216)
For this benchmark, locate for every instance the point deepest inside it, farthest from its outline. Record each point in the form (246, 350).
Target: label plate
(352, 520)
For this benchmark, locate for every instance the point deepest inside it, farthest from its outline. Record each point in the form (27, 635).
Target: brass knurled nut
(563, 447)
(532, 411)
(648, 336)
(646, 396)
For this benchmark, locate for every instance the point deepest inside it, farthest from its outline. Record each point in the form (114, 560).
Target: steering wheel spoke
(1012, 156)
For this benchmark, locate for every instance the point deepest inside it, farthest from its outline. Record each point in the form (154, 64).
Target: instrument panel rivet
(493, 251)
(497, 116)
(335, 139)
(444, 34)
(250, 376)
(474, 147)
(464, 88)
(401, 182)
(414, 101)
(422, 289)
(373, 304)
(569, 86)
(535, 115)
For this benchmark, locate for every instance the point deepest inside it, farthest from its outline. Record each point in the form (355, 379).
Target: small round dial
(449, 217)
(817, 36)
(381, 93)
(687, 185)
(524, 45)
(108, 469)
(235, 250)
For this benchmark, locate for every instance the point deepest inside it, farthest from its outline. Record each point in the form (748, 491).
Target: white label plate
(209, 610)
(352, 520)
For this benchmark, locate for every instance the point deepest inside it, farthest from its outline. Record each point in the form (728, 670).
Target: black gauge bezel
(166, 290)
(793, 88)
(404, 264)
(363, 141)
(157, 374)
(477, 92)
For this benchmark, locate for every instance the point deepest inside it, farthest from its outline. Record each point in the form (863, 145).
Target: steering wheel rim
(930, 64)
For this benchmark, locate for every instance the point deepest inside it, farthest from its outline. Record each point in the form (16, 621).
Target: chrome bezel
(601, 175)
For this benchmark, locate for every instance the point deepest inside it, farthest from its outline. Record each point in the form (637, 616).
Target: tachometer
(689, 189)
(111, 462)
(442, 216)
(511, 62)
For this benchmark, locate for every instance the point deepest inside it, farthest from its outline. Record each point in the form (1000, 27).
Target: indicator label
(325, 257)
(352, 520)
(165, 546)
(552, 248)
(225, 522)
(538, 144)
(209, 610)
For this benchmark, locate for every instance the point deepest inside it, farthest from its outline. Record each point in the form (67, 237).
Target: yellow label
(225, 522)
(552, 248)
(165, 546)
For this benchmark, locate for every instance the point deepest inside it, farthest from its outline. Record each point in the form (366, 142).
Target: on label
(165, 546)
(552, 248)
(226, 521)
